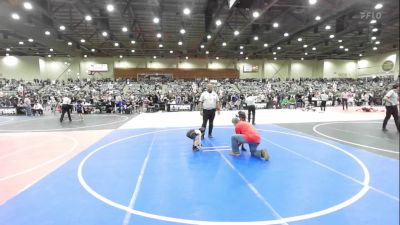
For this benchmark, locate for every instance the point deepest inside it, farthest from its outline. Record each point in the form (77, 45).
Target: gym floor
(325, 168)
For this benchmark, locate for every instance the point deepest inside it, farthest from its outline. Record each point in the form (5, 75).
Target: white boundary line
(38, 179)
(214, 147)
(252, 188)
(19, 149)
(75, 144)
(349, 142)
(315, 214)
(216, 150)
(70, 128)
(331, 169)
(135, 194)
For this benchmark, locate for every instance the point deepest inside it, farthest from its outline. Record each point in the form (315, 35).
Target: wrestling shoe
(264, 155)
(234, 154)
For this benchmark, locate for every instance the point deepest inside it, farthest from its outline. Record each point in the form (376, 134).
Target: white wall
(86, 62)
(130, 63)
(255, 75)
(162, 63)
(57, 67)
(372, 65)
(21, 67)
(276, 69)
(30, 67)
(339, 68)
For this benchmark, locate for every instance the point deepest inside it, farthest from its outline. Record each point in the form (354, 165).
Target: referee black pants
(208, 115)
(323, 105)
(391, 111)
(251, 109)
(65, 109)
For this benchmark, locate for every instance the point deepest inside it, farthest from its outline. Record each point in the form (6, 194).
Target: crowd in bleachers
(131, 96)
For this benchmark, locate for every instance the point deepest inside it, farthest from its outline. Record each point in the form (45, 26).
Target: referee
(251, 108)
(65, 107)
(208, 104)
(390, 102)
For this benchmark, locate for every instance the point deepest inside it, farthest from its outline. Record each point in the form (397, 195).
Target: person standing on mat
(324, 97)
(246, 133)
(251, 108)
(390, 101)
(65, 106)
(208, 104)
(344, 99)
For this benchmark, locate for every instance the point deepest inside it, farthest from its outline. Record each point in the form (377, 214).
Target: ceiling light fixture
(156, 20)
(116, 44)
(182, 31)
(83, 40)
(158, 35)
(331, 36)
(372, 22)
(317, 18)
(133, 42)
(124, 29)
(62, 27)
(47, 32)
(30, 40)
(15, 16)
(255, 38)
(110, 7)
(300, 39)
(104, 33)
(88, 18)
(171, 52)
(218, 22)
(328, 27)
(312, 2)
(186, 11)
(69, 43)
(133, 50)
(378, 6)
(180, 43)
(286, 34)
(224, 44)
(28, 5)
(208, 36)
(236, 32)
(256, 14)
(275, 25)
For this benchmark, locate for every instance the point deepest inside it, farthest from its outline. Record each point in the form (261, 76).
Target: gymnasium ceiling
(349, 21)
